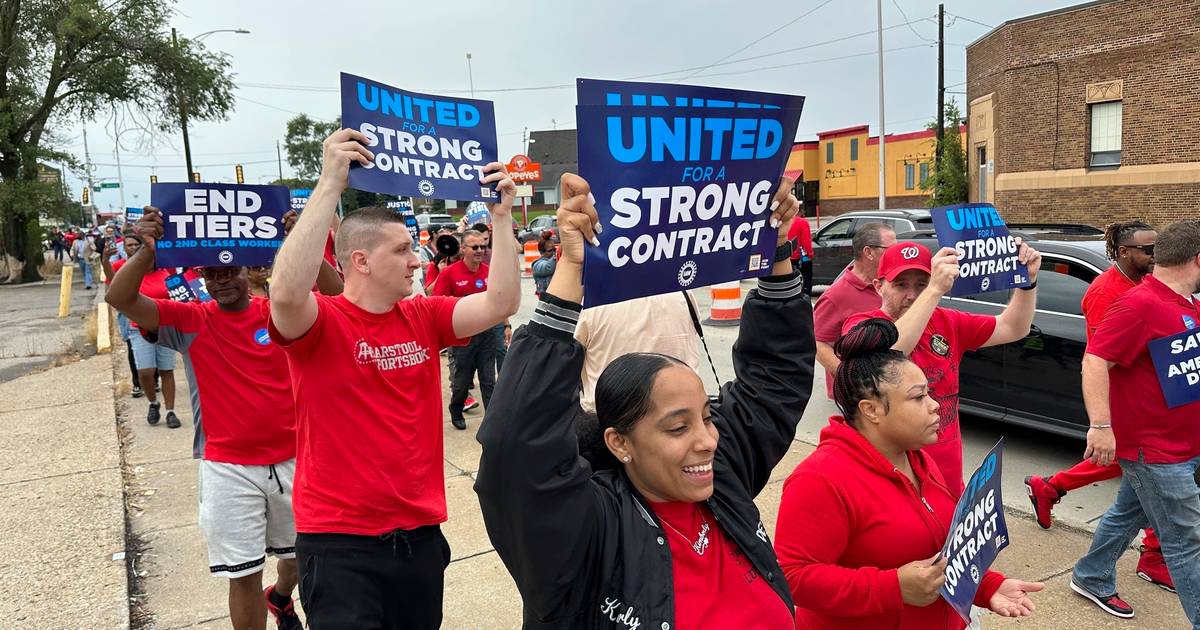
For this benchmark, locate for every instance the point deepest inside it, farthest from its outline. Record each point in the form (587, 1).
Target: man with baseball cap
(912, 281)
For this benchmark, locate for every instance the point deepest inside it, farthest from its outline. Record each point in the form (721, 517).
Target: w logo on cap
(910, 253)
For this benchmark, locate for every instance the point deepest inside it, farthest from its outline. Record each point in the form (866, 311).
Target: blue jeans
(85, 270)
(1166, 497)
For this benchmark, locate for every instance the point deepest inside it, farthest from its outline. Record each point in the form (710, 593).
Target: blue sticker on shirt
(262, 337)
(479, 284)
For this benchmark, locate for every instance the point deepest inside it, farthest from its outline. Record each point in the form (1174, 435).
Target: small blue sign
(978, 533)
(1177, 363)
(178, 288)
(683, 178)
(132, 215)
(199, 289)
(424, 145)
(478, 213)
(219, 225)
(987, 254)
(300, 198)
(404, 208)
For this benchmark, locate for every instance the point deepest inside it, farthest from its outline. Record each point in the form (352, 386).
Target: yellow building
(840, 169)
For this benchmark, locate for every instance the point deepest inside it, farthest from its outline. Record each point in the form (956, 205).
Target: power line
(268, 105)
(801, 17)
(905, 16)
(812, 61)
(967, 19)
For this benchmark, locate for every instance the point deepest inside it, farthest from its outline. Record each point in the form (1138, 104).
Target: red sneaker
(1152, 568)
(1044, 497)
(470, 403)
(285, 617)
(1112, 604)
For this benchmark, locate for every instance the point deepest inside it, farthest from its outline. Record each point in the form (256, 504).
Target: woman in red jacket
(864, 516)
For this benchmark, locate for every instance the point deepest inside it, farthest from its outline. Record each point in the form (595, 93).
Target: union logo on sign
(910, 253)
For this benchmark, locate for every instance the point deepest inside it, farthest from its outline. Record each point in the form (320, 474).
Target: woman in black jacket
(670, 537)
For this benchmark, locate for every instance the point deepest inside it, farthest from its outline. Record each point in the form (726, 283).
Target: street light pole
(187, 145)
(882, 127)
(470, 76)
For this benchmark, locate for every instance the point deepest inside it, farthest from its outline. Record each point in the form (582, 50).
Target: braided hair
(1118, 234)
(868, 360)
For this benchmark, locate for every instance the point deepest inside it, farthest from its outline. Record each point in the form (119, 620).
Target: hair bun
(870, 336)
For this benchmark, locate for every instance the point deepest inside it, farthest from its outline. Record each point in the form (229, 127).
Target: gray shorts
(245, 514)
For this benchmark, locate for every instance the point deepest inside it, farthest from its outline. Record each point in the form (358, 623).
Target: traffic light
(241, 179)
(86, 192)
(196, 177)
(154, 179)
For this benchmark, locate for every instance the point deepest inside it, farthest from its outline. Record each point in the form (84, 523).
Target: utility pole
(117, 151)
(87, 158)
(279, 158)
(941, 108)
(470, 76)
(179, 93)
(882, 126)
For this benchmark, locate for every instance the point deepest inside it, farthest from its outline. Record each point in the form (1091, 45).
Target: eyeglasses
(219, 273)
(474, 247)
(1146, 249)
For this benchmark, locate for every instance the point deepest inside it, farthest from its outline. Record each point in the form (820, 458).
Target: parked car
(1035, 382)
(533, 231)
(436, 220)
(831, 244)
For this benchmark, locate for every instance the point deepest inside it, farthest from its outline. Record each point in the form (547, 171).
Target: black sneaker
(1112, 604)
(137, 392)
(152, 415)
(459, 423)
(172, 421)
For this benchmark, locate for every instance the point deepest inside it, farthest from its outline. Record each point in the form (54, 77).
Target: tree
(949, 181)
(303, 144)
(66, 60)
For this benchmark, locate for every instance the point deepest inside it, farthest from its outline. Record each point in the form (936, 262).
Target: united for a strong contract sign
(977, 533)
(214, 225)
(424, 145)
(683, 178)
(987, 253)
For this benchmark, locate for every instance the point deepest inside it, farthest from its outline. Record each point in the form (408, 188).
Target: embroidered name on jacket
(391, 357)
(612, 607)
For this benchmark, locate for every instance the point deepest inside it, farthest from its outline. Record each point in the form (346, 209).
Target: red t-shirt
(847, 296)
(1141, 421)
(802, 232)
(242, 400)
(457, 280)
(368, 390)
(154, 284)
(721, 588)
(947, 337)
(1100, 295)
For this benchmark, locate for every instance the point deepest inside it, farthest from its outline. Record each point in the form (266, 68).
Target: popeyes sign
(521, 169)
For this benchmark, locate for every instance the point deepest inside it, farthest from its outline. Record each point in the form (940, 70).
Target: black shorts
(389, 582)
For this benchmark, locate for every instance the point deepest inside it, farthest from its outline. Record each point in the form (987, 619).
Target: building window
(909, 170)
(1106, 134)
(924, 173)
(829, 152)
(853, 149)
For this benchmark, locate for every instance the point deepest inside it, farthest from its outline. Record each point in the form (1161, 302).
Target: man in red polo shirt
(1130, 245)
(912, 281)
(244, 415)
(370, 488)
(468, 277)
(852, 293)
(1157, 447)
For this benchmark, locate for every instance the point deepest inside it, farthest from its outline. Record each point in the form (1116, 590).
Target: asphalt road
(1026, 451)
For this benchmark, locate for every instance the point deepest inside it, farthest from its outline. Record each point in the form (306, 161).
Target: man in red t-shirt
(468, 277)
(1130, 245)
(1157, 447)
(912, 281)
(370, 479)
(244, 416)
(852, 293)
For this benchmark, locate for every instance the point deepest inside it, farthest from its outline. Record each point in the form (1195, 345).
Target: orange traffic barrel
(726, 304)
(531, 254)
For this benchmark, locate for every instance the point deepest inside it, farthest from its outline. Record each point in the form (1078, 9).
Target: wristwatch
(784, 252)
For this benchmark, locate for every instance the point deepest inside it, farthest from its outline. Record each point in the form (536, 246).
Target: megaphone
(447, 246)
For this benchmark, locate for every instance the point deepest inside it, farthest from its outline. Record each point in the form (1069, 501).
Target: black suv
(1035, 382)
(831, 244)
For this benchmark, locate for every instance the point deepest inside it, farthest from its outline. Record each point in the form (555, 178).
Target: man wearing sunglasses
(467, 277)
(1130, 245)
(245, 417)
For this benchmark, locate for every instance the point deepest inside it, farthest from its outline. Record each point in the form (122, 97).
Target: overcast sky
(290, 60)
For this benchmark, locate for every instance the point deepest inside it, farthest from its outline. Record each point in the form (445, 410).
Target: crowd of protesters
(615, 489)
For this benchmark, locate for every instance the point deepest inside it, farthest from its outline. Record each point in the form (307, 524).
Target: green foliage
(949, 182)
(67, 60)
(303, 143)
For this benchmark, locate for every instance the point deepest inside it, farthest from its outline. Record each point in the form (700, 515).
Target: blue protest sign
(404, 208)
(211, 225)
(683, 179)
(977, 533)
(987, 254)
(178, 288)
(1177, 363)
(199, 289)
(424, 145)
(132, 215)
(300, 198)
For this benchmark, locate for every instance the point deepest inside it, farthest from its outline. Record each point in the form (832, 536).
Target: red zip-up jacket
(848, 520)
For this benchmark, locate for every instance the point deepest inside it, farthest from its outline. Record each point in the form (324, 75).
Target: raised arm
(124, 292)
(534, 489)
(912, 324)
(773, 362)
(329, 281)
(293, 307)
(1014, 322)
(481, 311)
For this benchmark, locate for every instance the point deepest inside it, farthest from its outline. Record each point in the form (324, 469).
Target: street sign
(106, 185)
(521, 169)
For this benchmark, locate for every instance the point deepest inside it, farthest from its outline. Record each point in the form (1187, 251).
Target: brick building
(1089, 113)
